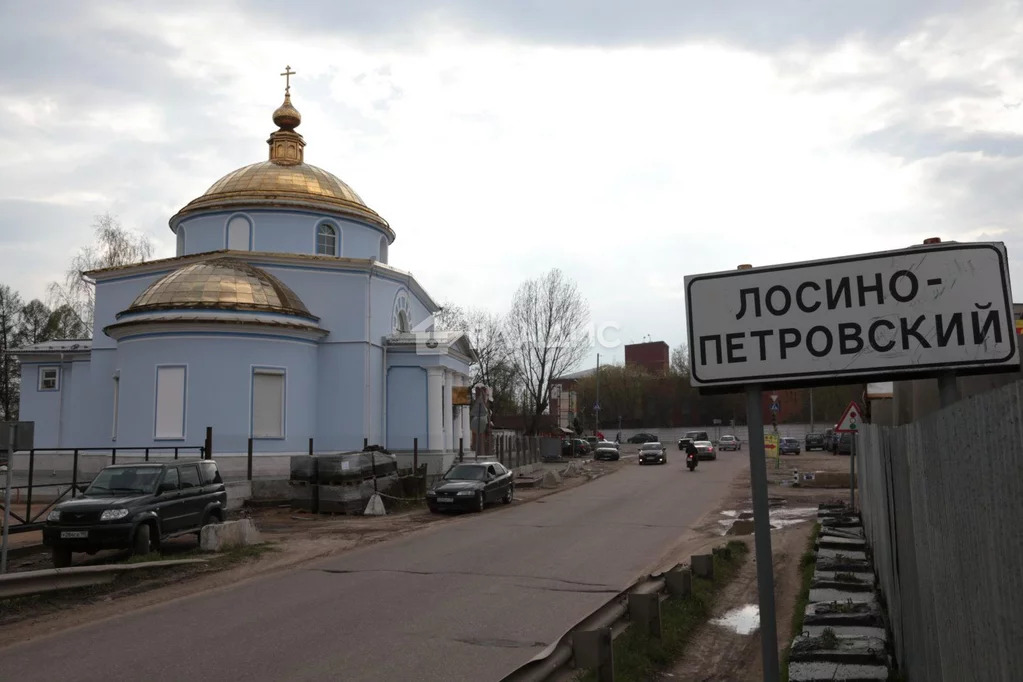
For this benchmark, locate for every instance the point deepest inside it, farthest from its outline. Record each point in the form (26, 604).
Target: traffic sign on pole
(851, 419)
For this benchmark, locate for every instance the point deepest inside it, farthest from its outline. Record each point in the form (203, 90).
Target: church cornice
(269, 258)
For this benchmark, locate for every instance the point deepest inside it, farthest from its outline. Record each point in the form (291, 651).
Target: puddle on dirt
(743, 620)
(741, 522)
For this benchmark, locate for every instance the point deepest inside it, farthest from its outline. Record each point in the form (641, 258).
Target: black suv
(135, 506)
(815, 440)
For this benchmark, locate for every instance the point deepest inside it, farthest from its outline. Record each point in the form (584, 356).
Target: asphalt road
(471, 599)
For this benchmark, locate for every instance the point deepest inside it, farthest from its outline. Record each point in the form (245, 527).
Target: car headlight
(466, 492)
(53, 515)
(431, 493)
(113, 514)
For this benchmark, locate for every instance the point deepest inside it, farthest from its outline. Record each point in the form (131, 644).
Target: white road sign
(916, 311)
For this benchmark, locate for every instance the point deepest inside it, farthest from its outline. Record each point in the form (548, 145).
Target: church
(279, 319)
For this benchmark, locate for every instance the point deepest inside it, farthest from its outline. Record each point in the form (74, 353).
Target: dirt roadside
(718, 653)
(294, 537)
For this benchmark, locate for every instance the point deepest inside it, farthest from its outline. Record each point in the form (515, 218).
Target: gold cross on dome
(288, 73)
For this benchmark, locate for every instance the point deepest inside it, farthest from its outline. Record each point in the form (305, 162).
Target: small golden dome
(286, 117)
(220, 284)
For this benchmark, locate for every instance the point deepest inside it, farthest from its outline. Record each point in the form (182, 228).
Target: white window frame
(43, 370)
(264, 434)
(166, 433)
(320, 231)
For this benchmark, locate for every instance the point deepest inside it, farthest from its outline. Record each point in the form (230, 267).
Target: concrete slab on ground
(817, 671)
(842, 596)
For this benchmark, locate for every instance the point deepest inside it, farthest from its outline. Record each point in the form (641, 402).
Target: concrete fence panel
(942, 500)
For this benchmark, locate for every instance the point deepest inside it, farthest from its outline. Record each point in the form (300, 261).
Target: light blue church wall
(406, 407)
(339, 402)
(114, 295)
(290, 231)
(218, 389)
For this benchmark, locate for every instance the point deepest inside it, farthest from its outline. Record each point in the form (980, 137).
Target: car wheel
(509, 495)
(480, 503)
(141, 544)
(61, 557)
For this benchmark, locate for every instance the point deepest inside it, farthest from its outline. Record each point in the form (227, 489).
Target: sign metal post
(8, 482)
(762, 534)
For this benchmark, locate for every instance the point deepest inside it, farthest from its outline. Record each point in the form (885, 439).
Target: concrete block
(220, 536)
(645, 612)
(703, 565)
(375, 507)
(679, 581)
(824, 671)
(840, 543)
(593, 650)
(848, 631)
(827, 594)
(845, 554)
(551, 479)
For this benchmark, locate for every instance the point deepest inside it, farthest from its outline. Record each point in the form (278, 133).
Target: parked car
(592, 440)
(729, 442)
(788, 446)
(642, 438)
(653, 452)
(705, 449)
(582, 447)
(606, 450)
(692, 437)
(136, 507)
(844, 446)
(814, 440)
(471, 486)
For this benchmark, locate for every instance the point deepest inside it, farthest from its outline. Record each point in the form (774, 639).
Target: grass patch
(807, 565)
(638, 658)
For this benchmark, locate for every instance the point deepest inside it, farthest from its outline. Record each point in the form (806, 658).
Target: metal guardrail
(52, 579)
(589, 643)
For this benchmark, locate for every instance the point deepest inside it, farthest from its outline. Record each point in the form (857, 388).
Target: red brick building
(654, 356)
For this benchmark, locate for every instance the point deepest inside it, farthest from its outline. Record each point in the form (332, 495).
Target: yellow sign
(460, 395)
(1019, 327)
(771, 445)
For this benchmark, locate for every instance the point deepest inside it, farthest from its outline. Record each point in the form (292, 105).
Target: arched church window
(239, 234)
(383, 250)
(326, 240)
(403, 325)
(181, 241)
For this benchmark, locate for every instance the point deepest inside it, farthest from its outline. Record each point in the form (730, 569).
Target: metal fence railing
(941, 500)
(52, 475)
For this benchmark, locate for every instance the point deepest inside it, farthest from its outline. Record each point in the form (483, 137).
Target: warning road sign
(850, 421)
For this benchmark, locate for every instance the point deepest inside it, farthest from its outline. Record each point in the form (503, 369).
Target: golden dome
(220, 284)
(285, 180)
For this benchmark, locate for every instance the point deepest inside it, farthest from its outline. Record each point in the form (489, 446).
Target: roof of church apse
(284, 180)
(220, 284)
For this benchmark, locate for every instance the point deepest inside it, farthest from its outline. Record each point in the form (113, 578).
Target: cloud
(629, 145)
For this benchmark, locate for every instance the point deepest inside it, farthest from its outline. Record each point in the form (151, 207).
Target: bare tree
(546, 332)
(115, 245)
(493, 367)
(680, 359)
(35, 317)
(10, 375)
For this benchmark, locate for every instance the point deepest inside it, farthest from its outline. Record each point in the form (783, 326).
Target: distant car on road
(471, 486)
(844, 446)
(814, 440)
(729, 442)
(136, 506)
(788, 446)
(606, 450)
(653, 452)
(642, 438)
(705, 449)
(692, 437)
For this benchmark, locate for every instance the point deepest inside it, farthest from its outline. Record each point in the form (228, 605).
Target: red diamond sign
(850, 421)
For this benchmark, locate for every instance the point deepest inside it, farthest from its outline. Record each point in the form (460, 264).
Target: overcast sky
(628, 143)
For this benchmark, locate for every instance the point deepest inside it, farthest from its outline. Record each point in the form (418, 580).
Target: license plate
(445, 499)
(74, 534)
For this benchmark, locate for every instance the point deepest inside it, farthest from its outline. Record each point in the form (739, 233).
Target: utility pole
(596, 406)
(811, 410)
